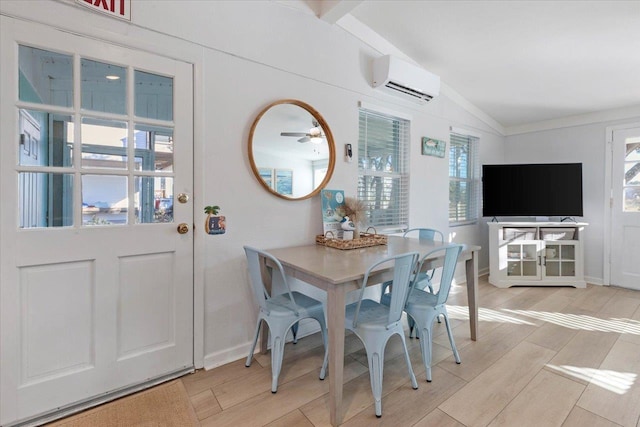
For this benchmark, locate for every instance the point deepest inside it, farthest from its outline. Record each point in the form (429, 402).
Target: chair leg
(412, 376)
(325, 341)
(412, 325)
(325, 364)
(277, 352)
(294, 331)
(425, 346)
(430, 286)
(451, 341)
(376, 366)
(253, 347)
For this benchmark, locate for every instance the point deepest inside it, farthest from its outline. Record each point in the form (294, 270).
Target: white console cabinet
(536, 254)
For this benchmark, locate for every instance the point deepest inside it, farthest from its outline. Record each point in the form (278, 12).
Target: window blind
(383, 165)
(464, 179)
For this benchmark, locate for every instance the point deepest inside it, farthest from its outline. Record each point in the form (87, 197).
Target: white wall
(248, 54)
(262, 220)
(585, 144)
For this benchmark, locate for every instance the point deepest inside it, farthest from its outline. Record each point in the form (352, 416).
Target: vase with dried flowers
(356, 211)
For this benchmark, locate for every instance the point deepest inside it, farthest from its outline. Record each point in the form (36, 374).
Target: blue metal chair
(431, 235)
(423, 279)
(424, 307)
(280, 312)
(375, 323)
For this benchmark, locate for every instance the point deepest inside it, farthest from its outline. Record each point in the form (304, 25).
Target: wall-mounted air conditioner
(398, 77)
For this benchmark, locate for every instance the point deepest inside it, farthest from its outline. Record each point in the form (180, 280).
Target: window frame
(459, 138)
(398, 179)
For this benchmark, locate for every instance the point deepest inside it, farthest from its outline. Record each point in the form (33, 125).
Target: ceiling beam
(332, 10)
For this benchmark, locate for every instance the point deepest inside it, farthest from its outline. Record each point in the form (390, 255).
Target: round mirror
(291, 150)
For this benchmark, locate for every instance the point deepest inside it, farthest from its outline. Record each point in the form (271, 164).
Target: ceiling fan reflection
(314, 135)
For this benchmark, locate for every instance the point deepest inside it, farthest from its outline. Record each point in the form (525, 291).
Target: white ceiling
(520, 62)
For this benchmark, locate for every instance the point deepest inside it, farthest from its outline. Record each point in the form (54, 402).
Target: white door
(625, 209)
(96, 284)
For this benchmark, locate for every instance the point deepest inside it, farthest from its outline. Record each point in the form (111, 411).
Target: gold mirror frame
(328, 135)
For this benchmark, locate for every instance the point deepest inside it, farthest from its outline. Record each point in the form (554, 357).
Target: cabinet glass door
(522, 260)
(559, 259)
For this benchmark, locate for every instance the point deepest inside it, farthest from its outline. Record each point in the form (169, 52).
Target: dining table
(339, 271)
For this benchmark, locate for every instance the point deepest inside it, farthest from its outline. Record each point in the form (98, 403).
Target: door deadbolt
(183, 198)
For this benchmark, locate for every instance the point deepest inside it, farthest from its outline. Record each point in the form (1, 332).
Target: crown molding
(450, 93)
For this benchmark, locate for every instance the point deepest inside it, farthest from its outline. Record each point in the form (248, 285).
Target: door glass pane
(45, 77)
(631, 192)
(153, 96)
(45, 199)
(46, 139)
(529, 268)
(552, 251)
(104, 87)
(514, 268)
(568, 252)
(568, 269)
(529, 251)
(552, 268)
(154, 148)
(514, 251)
(104, 200)
(153, 199)
(104, 143)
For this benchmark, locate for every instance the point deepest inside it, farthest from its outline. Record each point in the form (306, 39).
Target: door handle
(183, 228)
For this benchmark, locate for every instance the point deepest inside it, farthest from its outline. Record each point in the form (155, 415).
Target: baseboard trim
(461, 277)
(219, 358)
(594, 281)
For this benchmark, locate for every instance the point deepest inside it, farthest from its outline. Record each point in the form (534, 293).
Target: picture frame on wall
(433, 147)
(267, 176)
(284, 181)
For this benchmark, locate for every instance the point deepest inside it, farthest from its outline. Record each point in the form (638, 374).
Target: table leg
(335, 325)
(472, 292)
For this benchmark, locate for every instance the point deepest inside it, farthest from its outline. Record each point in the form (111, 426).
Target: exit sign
(116, 8)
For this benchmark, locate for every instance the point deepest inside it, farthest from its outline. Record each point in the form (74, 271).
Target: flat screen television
(549, 189)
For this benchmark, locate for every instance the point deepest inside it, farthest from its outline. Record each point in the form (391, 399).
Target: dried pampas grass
(355, 209)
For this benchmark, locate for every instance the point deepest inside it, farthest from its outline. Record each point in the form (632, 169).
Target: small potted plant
(214, 224)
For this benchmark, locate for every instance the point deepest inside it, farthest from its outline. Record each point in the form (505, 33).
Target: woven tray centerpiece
(364, 240)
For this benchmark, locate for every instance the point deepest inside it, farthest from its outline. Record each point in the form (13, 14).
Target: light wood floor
(544, 357)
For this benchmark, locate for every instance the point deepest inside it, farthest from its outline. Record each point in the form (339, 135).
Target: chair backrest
(429, 234)
(403, 268)
(451, 253)
(255, 261)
